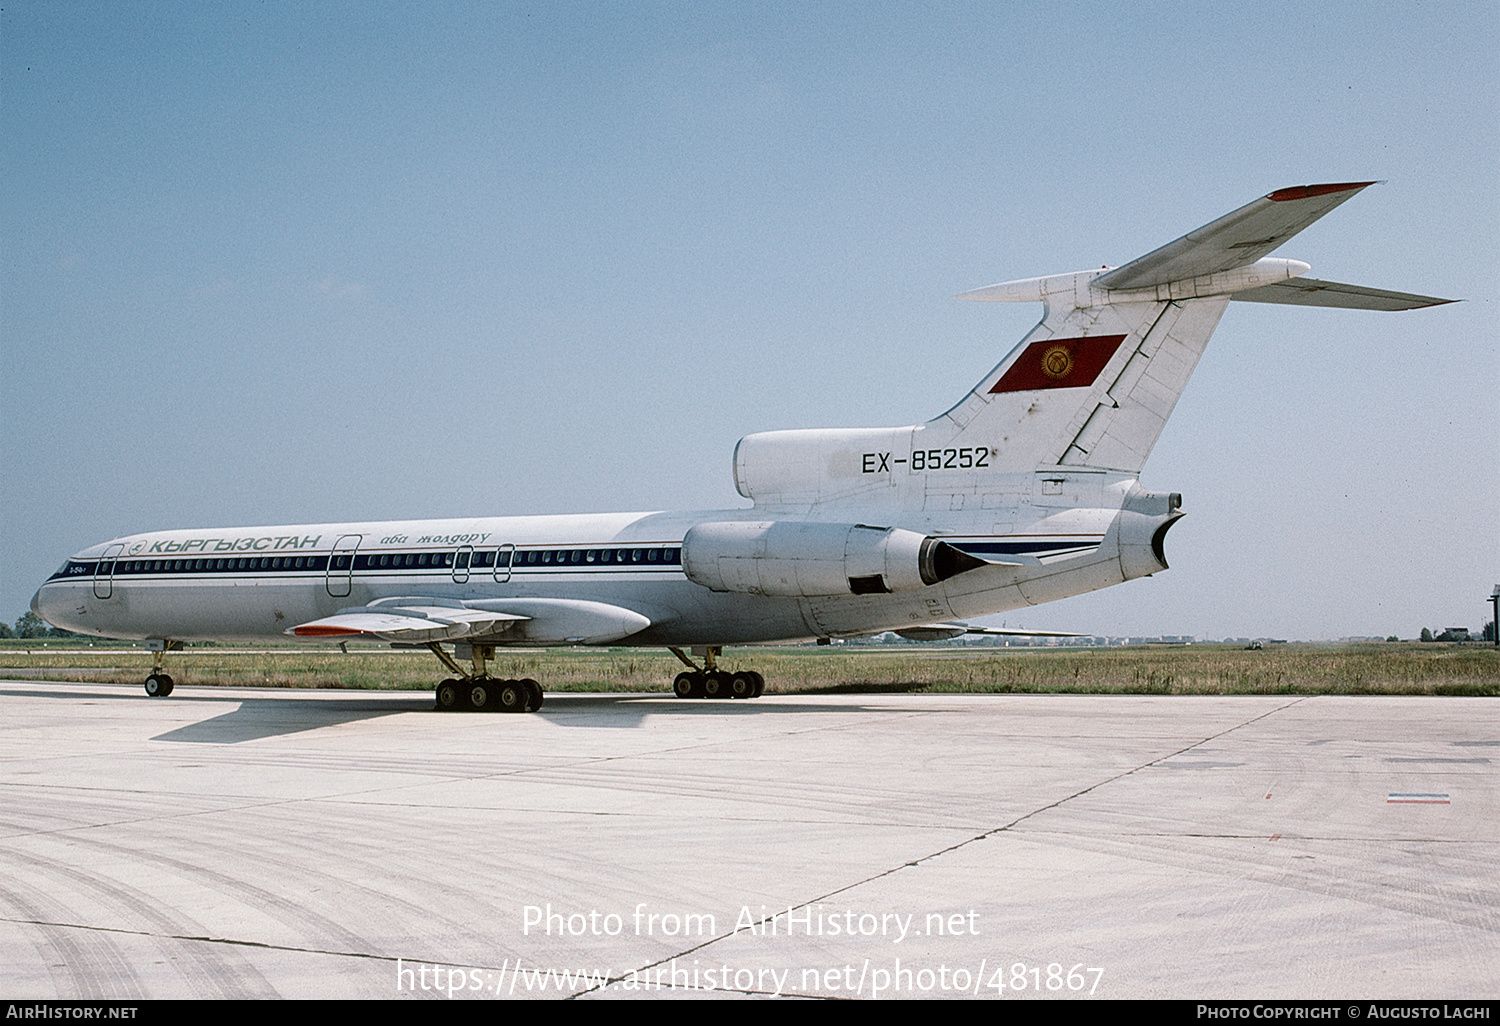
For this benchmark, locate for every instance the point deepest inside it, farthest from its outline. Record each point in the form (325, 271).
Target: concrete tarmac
(226, 843)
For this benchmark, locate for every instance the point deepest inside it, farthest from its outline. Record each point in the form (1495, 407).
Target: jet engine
(789, 558)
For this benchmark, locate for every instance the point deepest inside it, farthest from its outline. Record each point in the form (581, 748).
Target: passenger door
(341, 565)
(461, 564)
(104, 572)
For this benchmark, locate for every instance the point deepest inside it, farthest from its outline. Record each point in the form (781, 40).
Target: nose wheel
(159, 685)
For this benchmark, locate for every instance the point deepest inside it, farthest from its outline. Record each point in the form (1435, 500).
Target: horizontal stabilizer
(1311, 292)
(1234, 240)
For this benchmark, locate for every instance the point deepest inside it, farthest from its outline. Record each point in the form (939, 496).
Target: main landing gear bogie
(487, 694)
(478, 691)
(710, 682)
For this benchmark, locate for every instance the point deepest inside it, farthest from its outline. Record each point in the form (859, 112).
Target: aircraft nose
(45, 605)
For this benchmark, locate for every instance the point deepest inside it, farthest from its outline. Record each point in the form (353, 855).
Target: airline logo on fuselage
(269, 543)
(1059, 363)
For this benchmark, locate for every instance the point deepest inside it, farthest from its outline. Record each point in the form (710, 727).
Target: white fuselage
(257, 583)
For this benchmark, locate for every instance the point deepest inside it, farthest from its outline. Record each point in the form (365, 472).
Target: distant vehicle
(1025, 491)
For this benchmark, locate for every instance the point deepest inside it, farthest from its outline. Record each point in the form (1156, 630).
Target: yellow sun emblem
(1057, 362)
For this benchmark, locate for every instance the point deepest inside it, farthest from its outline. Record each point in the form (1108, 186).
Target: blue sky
(281, 263)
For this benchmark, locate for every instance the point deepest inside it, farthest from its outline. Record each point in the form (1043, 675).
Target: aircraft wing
(534, 621)
(406, 623)
(1234, 240)
(1311, 292)
(945, 631)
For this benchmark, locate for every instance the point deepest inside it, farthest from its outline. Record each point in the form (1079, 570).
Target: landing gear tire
(688, 685)
(448, 695)
(534, 690)
(479, 694)
(512, 696)
(760, 684)
(716, 684)
(742, 684)
(158, 685)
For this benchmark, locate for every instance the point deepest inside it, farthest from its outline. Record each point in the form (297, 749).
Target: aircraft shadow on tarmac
(275, 716)
(271, 717)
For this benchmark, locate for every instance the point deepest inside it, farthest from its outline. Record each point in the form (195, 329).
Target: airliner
(1025, 491)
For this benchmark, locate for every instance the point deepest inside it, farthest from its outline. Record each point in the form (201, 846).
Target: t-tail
(1039, 462)
(1091, 386)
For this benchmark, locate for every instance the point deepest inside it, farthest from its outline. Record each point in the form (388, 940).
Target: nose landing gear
(159, 685)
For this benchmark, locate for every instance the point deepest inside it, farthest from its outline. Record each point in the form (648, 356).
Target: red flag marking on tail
(1059, 363)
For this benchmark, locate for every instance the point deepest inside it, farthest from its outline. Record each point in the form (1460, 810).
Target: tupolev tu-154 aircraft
(1024, 492)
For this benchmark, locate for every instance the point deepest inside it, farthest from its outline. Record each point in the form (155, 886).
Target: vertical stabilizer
(1093, 384)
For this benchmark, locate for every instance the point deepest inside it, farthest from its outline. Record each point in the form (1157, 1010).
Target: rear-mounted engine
(809, 559)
